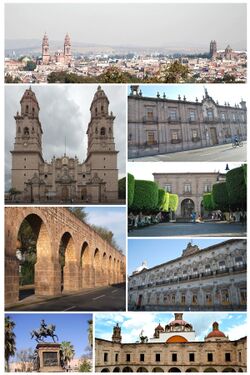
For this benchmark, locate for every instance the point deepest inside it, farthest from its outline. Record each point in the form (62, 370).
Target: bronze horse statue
(41, 333)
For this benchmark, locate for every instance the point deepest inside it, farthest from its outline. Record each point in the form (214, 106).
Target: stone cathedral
(65, 179)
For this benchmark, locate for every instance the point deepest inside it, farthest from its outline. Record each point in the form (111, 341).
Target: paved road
(218, 229)
(223, 153)
(110, 298)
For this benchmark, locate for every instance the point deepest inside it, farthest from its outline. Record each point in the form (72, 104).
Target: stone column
(11, 279)
(71, 276)
(47, 277)
(87, 276)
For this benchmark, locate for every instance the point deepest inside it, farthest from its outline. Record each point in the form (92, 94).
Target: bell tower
(45, 50)
(101, 154)
(27, 153)
(116, 337)
(67, 50)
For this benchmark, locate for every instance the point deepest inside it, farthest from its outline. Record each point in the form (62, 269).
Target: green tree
(175, 73)
(165, 205)
(122, 188)
(173, 202)
(25, 356)
(85, 366)
(145, 196)
(27, 239)
(236, 187)
(208, 202)
(67, 352)
(161, 198)
(10, 341)
(115, 75)
(79, 212)
(220, 196)
(30, 66)
(131, 189)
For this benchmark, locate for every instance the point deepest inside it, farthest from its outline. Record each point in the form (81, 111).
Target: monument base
(49, 357)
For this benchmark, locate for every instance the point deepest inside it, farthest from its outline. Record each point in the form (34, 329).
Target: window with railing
(151, 138)
(168, 188)
(207, 188)
(207, 269)
(173, 114)
(210, 114)
(187, 188)
(239, 262)
(222, 265)
(192, 115)
(224, 296)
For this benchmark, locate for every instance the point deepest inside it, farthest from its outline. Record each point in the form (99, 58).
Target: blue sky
(69, 327)
(229, 93)
(232, 324)
(112, 218)
(158, 251)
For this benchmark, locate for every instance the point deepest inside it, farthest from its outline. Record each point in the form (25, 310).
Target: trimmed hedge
(208, 202)
(131, 189)
(220, 196)
(236, 187)
(173, 202)
(161, 197)
(165, 206)
(122, 188)
(145, 196)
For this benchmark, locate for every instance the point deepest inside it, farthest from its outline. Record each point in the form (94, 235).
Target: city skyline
(188, 17)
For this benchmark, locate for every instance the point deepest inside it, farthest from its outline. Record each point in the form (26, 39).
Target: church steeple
(67, 49)
(116, 337)
(45, 49)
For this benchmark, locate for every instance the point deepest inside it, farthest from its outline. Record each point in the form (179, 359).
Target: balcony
(211, 120)
(241, 267)
(222, 271)
(174, 120)
(150, 120)
(192, 120)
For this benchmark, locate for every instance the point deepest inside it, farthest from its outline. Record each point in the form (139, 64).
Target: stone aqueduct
(90, 261)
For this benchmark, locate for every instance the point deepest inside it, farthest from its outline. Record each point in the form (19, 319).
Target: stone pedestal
(49, 357)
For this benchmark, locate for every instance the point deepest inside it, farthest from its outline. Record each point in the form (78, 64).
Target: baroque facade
(213, 278)
(160, 125)
(172, 349)
(190, 188)
(65, 179)
(60, 57)
(227, 54)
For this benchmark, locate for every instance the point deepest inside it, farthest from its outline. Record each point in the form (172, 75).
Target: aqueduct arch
(57, 228)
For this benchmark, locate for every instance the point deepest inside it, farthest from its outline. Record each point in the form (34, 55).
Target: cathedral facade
(60, 57)
(172, 348)
(65, 179)
(213, 278)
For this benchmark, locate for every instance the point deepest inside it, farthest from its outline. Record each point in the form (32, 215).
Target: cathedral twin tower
(62, 57)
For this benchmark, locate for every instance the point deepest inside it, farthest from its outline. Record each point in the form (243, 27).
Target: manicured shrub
(165, 206)
(220, 196)
(208, 202)
(145, 196)
(236, 187)
(173, 202)
(131, 189)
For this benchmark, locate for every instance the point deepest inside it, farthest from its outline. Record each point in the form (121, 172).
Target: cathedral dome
(178, 322)
(159, 328)
(216, 333)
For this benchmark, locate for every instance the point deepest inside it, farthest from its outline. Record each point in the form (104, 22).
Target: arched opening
(110, 270)
(174, 369)
(26, 131)
(103, 131)
(34, 254)
(210, 369)
(69, 267)
(191, 369)
(142, 369)
(157, 369)
(114, 271)
(229, 369)
(85, 264)
(97, 268)
(105, 370)
(105, 268)
(240, 370)
(84, 193)
(127, 369)
(187, 207)
(116, 369)
(65, 193)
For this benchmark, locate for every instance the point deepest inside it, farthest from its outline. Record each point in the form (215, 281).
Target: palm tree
(67, 352)
(10, 341)
(90, 332)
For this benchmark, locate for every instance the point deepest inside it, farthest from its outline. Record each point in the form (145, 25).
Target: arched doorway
(210, 369)
(116, 369)
(187, 207)
(105, 370)
(105, 268)
(174, 369)
(34, 254)
(65, 193)
(191, 369)
(127, 369)
(84, 194)
(85, 264)
(142, 369)
(68, 262)
(157, 369)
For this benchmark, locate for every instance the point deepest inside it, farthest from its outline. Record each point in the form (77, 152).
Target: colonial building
(172, 349)
(190, 188)
(94, 180)
(60, 57)
(227, 54)
(160, 125)
(213, 278)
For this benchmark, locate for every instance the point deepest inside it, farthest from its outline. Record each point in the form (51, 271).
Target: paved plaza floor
(206, 229)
